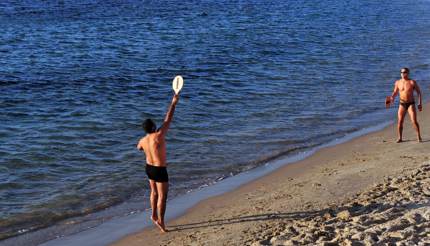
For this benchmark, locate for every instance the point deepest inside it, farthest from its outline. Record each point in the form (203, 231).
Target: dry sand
(364, 192)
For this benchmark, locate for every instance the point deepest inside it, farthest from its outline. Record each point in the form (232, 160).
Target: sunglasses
(403, 72)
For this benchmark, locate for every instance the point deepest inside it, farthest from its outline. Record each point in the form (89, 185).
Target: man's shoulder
(159, 135)
(412, 82)
(142, 139)
(151, 137)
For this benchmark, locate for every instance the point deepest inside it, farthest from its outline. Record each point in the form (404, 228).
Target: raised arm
(420, 100)
(169, 115)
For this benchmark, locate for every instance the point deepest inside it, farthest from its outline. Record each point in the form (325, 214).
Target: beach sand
(367, 191)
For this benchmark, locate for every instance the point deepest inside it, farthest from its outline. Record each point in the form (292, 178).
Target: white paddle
(177, 84)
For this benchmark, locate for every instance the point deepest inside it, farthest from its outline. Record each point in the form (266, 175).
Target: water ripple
(264, 80)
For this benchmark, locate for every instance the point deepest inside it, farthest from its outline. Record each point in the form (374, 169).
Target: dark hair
(406, 69)
(149, 126)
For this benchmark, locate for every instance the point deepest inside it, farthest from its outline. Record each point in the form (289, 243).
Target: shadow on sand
(354, 209)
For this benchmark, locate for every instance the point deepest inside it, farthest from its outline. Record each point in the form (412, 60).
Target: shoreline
(328, 177)
(140, 221)
(264, 88)
(116, 228)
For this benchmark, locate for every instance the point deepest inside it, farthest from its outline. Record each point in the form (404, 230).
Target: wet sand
(366, 191)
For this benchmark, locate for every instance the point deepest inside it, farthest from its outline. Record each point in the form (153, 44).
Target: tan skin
(405, 87)
(154, 146)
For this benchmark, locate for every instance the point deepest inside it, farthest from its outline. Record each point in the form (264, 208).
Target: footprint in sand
(407, 157)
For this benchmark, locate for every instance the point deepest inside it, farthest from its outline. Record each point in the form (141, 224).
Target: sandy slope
(367, 191)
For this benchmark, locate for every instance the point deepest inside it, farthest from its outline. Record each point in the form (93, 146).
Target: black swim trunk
(406, 105)
(158, 174)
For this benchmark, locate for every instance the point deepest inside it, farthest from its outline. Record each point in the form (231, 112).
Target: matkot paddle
(177, 84)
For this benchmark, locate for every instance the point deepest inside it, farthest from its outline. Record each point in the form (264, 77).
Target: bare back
(154, 146)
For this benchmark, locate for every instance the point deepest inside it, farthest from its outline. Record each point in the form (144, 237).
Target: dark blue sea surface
(263, 80)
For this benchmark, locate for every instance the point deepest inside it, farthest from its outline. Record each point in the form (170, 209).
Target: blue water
(263, 80)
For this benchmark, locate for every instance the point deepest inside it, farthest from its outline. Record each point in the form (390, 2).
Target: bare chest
(406, 86)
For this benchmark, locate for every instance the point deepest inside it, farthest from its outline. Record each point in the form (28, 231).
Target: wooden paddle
(388, 101)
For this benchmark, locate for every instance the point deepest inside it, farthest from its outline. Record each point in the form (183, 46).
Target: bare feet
(161, 226)
(399, 141)
(420, 140)
(154, 219)
(158, 224)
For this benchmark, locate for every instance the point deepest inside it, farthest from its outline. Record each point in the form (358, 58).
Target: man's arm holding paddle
(169, 115)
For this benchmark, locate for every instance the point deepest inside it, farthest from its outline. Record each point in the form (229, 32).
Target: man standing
(154, 146)
(405, 87)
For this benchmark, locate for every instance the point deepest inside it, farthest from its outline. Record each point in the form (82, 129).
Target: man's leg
(163, 189)
(153, 199)
(400, 118)
(413, 115)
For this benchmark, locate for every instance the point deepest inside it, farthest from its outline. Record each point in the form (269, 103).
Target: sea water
(263, 80)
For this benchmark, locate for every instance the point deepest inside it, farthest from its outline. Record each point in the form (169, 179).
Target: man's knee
(154, 193)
